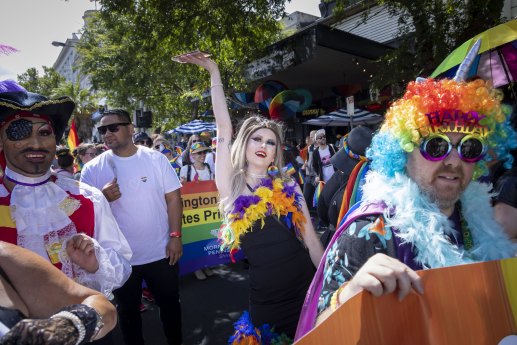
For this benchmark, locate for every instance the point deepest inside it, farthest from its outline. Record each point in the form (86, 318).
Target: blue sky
(31, 26)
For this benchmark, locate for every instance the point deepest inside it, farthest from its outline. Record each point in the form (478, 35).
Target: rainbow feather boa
(270, 197)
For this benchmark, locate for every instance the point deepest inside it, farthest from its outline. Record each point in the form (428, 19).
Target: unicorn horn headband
(463, 70)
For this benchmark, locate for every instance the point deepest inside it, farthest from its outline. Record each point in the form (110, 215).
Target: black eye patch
(22, 129)
(19, 130)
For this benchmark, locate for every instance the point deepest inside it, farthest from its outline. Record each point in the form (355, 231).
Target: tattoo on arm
(220, 140)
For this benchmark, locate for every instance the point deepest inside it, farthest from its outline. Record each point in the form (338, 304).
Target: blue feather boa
(421, 223)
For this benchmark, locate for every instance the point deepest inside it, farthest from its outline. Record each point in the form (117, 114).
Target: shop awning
(317, 58)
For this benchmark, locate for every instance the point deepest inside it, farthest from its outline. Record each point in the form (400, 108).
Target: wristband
(175, 234)
(334, 300)
(78, 324)
(89, 319)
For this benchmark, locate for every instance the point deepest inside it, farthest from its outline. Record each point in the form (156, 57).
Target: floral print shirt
(363, 239)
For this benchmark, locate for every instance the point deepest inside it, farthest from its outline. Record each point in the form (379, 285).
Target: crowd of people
(406, 197)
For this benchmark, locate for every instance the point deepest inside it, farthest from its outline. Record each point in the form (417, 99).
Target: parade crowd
(414, 194)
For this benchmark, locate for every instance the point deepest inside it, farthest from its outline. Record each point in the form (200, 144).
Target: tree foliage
(86, 103)
(42, 84)
(428, 31)
(128, 45)
(53, 85)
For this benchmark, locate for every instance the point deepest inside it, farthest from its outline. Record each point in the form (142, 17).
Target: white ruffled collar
(420, 222)
(25, 180)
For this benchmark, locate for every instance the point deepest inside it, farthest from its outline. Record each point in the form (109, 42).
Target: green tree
(428, 31)
(44, 84)
(127, 48)
(86, 104)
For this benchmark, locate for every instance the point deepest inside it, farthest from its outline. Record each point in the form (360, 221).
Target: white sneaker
(208, 272)
(200, 275)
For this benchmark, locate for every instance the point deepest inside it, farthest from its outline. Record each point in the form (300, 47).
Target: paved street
(209, 308)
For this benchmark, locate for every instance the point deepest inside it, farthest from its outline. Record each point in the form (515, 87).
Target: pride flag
(317, 193)
(73, 139)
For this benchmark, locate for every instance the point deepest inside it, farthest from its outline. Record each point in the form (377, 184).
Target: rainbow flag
(300, 178)
(289, 169)
(317, 193)
(178, 150)
(73, 139)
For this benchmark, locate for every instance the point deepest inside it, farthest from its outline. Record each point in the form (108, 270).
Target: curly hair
(400, 133)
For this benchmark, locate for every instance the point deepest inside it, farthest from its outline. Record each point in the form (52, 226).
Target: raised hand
(198, 58)
(81, 251)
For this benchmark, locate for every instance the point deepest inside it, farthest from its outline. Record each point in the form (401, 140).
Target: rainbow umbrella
(496, 59)
(287, 103)
(266, 91)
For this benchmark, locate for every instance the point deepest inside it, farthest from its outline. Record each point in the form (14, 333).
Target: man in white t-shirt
(144, 195)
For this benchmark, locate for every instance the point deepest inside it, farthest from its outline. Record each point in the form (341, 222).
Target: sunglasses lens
(19, 130)
(435, 149)
(472, 150)
(113, 128)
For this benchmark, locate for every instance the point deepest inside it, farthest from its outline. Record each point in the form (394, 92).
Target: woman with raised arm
(264, 210)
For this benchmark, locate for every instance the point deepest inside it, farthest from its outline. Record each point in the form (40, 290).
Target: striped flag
(73, 139)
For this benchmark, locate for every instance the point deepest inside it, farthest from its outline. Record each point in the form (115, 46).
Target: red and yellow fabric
(350, 194)
(83, 219)
(73, 139)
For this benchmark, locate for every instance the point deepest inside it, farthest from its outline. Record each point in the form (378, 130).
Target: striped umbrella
(193, 127)
(340, 117)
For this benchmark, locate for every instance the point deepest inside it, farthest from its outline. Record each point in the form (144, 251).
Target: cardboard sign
(467, 304)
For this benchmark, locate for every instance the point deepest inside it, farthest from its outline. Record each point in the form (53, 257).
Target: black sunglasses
(113, 128)
(22, 129)
(144, 142)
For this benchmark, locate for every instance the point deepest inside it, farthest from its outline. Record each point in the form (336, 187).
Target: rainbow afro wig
(440, 106)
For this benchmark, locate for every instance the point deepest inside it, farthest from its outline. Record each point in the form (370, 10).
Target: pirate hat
(15, 99)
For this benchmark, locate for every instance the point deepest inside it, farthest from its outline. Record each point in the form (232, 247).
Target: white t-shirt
(141, 211)
(328, 169)
(204, 174)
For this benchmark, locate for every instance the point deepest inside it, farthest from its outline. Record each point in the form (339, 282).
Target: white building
(67, 63)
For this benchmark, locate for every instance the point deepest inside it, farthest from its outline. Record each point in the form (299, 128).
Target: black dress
(280, 273)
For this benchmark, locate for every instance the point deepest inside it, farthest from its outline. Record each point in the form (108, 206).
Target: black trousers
(162, 279)
(308, 190)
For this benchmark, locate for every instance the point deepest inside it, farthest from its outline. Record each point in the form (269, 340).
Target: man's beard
(447, 200)
(443, 203)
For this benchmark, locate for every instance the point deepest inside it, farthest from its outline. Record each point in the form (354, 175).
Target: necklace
(256, 175)
(468, 242)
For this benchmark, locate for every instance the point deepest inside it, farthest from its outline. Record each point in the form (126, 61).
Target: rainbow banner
(200, 227)
(317, 193)
(466, 304)
(73, 139)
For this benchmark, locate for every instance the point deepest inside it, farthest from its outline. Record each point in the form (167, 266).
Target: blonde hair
(238, 156)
